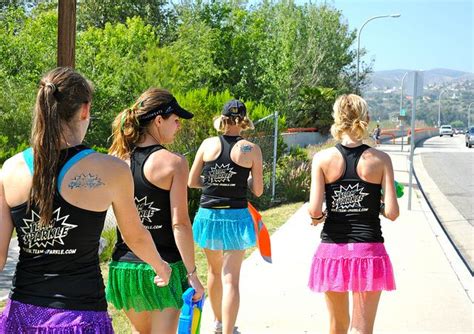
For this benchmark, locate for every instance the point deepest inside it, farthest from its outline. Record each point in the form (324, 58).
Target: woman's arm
(255, 181)
(195, 180)
(6, 225)
(391, 209)
(183, 232)
(135, 235)
(316, 196)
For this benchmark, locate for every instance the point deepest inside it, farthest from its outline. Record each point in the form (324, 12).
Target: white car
(446, 130)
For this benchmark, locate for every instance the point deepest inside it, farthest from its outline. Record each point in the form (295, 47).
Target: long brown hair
(61, 93)
(127, 129)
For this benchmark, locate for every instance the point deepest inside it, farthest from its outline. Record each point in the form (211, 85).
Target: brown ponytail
(62, 92)
(128, 130)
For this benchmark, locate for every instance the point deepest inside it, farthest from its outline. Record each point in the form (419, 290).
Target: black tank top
(153, 204)
(58, 264)
(353, 204)
(225, 182)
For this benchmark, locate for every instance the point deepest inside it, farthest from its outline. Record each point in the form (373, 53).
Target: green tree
(195, 50)
(112, 58)
(27, 50)
(157, 13)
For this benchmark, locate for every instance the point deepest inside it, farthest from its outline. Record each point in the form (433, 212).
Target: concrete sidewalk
(8, 272)
(430, 296)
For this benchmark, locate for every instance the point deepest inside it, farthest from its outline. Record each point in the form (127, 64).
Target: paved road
(451, 165)
(444, 167)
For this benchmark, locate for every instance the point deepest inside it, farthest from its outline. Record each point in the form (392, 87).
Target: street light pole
(358, 40)
(439, 107)
(469, 116)
(401, 106)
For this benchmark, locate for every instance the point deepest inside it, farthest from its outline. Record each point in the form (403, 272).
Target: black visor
(171, 107)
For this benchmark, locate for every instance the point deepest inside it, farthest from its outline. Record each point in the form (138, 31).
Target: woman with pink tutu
(357, 183)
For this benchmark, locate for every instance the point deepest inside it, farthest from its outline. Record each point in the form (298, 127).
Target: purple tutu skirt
(22, 318)
(354, 267)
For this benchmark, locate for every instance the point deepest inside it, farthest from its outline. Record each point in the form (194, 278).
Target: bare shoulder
(108, 160)
(164, 158)
(108, 163)
(326, 155)
(14, 162)
(14, 165)
(377, 155)
(209, 142)
(245, 146)
(245, 142)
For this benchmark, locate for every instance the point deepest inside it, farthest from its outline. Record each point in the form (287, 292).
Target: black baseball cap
(171, 107)
(234, 108)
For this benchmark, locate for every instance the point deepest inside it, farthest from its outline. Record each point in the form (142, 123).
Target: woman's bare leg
(140, 321)
(338, 307)
(165, 322)
(231, 294)
(364, 311)
(214, 281)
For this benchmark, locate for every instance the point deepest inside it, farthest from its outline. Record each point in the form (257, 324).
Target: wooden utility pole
(66, 32)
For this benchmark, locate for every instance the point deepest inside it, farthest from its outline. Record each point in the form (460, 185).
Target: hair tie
(51, 86)
(124, 117)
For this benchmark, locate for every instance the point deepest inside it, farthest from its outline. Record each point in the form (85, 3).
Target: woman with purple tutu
(350, 177)
(56, 195)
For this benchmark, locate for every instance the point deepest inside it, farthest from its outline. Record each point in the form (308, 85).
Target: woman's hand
(195, 283)
(163, 274)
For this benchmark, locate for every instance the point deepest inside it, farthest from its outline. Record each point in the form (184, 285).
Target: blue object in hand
(190, 317)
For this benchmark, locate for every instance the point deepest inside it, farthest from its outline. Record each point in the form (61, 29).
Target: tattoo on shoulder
(89, 181)
(246, 148)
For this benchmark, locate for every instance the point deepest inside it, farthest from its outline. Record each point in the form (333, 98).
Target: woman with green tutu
(160, 179)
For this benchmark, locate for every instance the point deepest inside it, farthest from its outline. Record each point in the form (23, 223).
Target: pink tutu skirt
(351, 267)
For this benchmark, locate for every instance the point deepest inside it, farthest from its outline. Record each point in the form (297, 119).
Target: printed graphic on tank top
(36, 238)
(146, 211)
(220, 176)
(353, 204)
(225, 182)
(153, 205)
(58, 262)
(348, 199)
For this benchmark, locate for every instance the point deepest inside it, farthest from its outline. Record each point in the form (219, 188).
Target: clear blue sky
(429, 34)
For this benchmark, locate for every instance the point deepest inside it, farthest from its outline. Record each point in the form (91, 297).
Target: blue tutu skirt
(224, 229)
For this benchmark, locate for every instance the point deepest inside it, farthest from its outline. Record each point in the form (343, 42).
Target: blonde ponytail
(350, 113)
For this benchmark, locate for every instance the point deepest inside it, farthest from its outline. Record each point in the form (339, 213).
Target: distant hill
(392, 78)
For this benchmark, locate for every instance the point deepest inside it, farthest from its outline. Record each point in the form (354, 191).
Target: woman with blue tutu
(160, 178)
(56, 195)
(225, 167)
(350, 177)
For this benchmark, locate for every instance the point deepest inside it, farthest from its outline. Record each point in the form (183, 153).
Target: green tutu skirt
(131, 286)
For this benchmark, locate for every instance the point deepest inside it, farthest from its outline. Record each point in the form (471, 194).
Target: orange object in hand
(263, 238)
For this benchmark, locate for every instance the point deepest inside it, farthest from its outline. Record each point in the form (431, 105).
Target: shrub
(110, 236)
(294, 176)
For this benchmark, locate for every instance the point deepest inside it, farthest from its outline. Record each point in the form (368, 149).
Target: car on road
(446, 130)
(470, 137)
